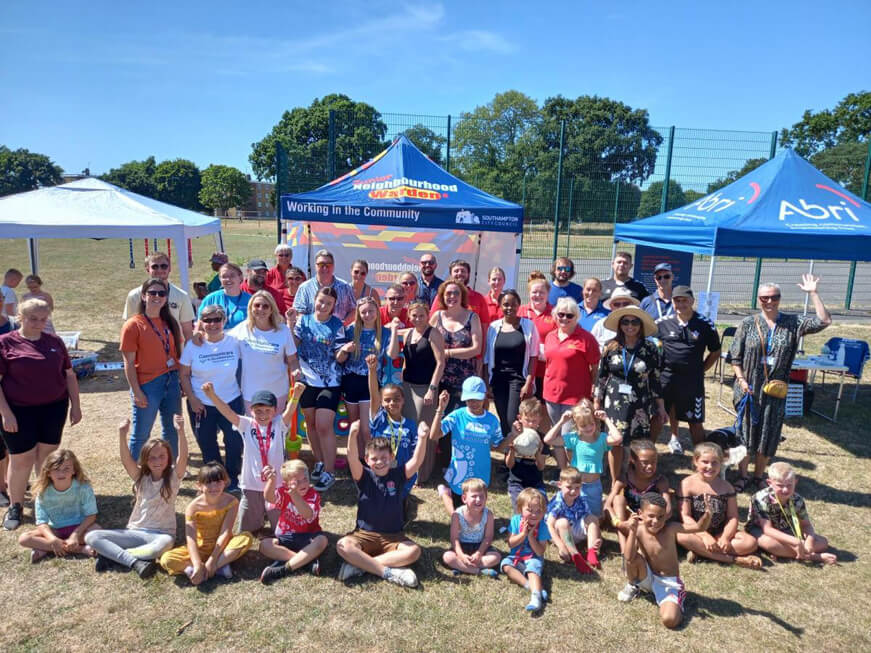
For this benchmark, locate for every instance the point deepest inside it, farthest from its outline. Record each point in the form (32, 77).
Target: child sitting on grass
(527, 537)
(650, 557)
(569, 519)
(780, 522)
(377, 545)
(298, 539)
(210, 545)
(472, 533)
(524, 471)
(65, 507)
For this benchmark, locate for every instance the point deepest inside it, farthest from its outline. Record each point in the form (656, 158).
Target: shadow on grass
(707, 607)
(103, 382)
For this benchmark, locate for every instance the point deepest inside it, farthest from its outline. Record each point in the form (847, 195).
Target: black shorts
(687, 399)
(470, 547)
(42, 424)
(457, 499)
(320, 398)
(296, 541)
(355, 388)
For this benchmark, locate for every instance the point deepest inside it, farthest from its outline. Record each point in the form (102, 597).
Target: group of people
(579, 372)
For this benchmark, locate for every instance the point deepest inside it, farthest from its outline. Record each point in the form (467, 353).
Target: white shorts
(579, 530)
(664, 588)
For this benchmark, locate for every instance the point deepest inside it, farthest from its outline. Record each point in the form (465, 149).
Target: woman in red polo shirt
(541, 313)
(496, 281)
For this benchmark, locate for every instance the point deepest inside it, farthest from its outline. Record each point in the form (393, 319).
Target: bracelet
(433, 387)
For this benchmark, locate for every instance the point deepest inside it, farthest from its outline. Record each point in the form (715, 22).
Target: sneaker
(273, 572)
(13, 517)
(348, 571)
(317, 471)
(226, 572)
(102, 564)
(36, 555)
(535, 602)
(4, 499)
(675, 447)
(189, 571)
(145, 568)
(315, 568)
(402, 576)
(628, 593)
(325, 481)
(492, 573)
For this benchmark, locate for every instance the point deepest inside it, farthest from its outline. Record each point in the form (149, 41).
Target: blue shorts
(593, 496)
(533, 565)
(296, 541)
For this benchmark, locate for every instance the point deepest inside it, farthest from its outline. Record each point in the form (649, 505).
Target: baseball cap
(682, 291)
(662, 266)
(264, 398)
(257, 264)
(474, 388)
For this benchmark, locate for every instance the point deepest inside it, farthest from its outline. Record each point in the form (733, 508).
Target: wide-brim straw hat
(612, 322)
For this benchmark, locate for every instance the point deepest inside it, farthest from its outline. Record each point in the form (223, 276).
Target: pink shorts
(66, 531)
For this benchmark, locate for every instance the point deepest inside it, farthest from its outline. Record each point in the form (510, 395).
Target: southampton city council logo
(467, 217)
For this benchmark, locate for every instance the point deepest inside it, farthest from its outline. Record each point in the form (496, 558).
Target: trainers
(492, 573)
(348, 571)
(535, 602)
(628, 593)
(4, 499)
(36, 555)
(273, 572)
(315, 568)
(226, 572)
(102, 564)
(401, 576)
(675, 447)
(145, 568)
(317, 470)
(13, 517)
(325, 481)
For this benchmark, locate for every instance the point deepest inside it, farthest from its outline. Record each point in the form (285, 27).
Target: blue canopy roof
(785, 208)
(402, 187)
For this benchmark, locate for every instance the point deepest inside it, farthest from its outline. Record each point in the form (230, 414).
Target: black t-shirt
(525, 473)
(509, 352)
(684, 345)
(635, 287)
(379, 501)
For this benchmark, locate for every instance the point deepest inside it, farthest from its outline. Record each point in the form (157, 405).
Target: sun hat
(620, 292)
(474, 388)
(612, 322)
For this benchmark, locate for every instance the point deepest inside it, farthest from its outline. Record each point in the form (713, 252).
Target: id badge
(624, 389)
(170, 362)
(770, 361)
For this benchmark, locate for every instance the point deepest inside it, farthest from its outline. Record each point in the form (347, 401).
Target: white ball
(526, 444)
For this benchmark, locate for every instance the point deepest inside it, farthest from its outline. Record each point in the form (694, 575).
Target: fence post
(616, 203)
(570, 214)
(331, 147)
(559, 175)
(663, 202)
(852, 278)
(448, 154)
(278, 149)
(771, 152)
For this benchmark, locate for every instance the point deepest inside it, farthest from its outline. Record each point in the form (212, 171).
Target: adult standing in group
(764, 347)
(510, 358)
(151, 345)
(621, 298)
(230, 297)
(561, 273)
(158, 266)
(255, 281)
(409, 286)
(8, 299)
(394, 305)
(461, 272)
(38, 388)
(215, 360)
(36, 291)
(277, 275)
(293, 279)
(427, 281)
(496, 281)
(217, 260)
(628, 388)
(591, 305)
(620, 267)
(318, 336)
(540, 311)
(361, 289)
(659, 304)
(267, 351)
(685, 336)
(325, 266)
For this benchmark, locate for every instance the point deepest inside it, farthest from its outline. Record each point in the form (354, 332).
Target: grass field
(65, 605)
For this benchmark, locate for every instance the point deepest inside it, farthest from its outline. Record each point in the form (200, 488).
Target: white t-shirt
(9, 297)
(252, 463)
(264, 359)
(215, 362)
(602, 335)
(151, 511)
(180, 306)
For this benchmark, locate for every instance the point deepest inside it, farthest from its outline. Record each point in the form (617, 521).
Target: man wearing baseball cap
(659, 303)
(685, 336)
(256, 280)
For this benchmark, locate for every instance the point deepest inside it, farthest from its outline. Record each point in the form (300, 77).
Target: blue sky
(99, 83)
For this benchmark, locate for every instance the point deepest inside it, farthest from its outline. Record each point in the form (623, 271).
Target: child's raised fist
(178, 422)
(371, 361)
(444, 398)
(208, 388)
(298, 389)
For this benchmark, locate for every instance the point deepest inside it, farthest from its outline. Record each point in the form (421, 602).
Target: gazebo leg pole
(33, 254)
(709, 286)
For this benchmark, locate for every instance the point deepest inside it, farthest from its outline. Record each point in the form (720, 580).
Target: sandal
(749, 561)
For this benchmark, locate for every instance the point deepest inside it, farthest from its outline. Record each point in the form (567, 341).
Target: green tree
(22, 170)
(304, 135)
(845, 163)
(427, 141)
(135, 176)
(849, 121)
(178, 182)
(692, 195)
(651, 199)
(733, 175)
(224, 187)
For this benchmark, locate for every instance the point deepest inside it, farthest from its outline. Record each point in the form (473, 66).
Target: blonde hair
(781, 471)
(28, 306)
(529, 406)
(571, 475)
(274, 317)
(53, 461)
(358, 326)
(582, 413)
(291, 468)
(707, 447)
(530, 495)
(145, 472)
(474, 485)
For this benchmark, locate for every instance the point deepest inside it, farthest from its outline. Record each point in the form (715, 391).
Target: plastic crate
(70, 338)
(795, 400)
(84, 362)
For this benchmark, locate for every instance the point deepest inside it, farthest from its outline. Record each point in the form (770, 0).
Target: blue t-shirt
(586, 456)
(380, 501)
(472, 436)
(67, 508)
(402, 437)
(575, 513)
(657, 307)
(588, 319)
(235, 308)
(357, 364)
(318, 344)
(572, 290)
(523, 551)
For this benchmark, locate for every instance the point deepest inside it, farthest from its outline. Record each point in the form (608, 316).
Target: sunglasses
(566, 316)
(769, 298)
(211, 320)
(282, 255)
(427, 262)
(409, 283)
(631, 321)
(564, 268)
(356, 273)
(662, 276)
(156, 293)
(395, 299)
(160, 266)
(324, 265)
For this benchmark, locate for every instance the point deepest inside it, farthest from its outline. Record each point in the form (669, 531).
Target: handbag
(773, 388)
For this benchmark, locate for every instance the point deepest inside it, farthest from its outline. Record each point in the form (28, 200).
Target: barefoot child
(527, 537)
(210, 545)
(650, 557)
(263, 437)
(472, 533)
(151, 527)
(65, 508)
(780, 522)
(569, 519)
(298, 539)
(525, 471)
(377, 545)
(721, 540)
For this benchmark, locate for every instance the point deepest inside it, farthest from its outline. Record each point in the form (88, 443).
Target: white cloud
(479, 40)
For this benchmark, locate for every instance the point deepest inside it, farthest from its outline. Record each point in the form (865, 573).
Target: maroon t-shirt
(34, 371)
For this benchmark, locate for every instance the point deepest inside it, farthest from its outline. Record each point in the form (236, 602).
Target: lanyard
(770, 340)
(264, 443)
(796, 524)
(628, 367)
(668, 311)
(234, 303)
(165, 343)
(394, 442)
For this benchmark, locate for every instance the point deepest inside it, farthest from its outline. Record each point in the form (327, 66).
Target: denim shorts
(533, 565)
